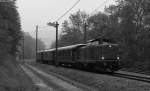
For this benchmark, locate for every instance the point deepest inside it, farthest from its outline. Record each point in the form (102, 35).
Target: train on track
(99, 54)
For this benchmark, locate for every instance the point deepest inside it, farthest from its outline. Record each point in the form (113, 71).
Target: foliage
(9, 28)
(134, 31)
(30, 46)
(73, 29)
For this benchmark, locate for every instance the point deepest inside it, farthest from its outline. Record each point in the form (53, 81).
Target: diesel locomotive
(98, 54)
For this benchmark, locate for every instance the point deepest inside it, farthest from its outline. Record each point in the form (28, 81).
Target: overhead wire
(64, 13)
(68, 10)
(73, 7)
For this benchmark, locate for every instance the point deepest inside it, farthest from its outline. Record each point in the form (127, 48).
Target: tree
(134, 30)
(72, 30)
(10, 27)
(29, 46)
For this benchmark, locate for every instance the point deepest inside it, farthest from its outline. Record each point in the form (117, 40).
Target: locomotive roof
(101, 40)
(64, 48)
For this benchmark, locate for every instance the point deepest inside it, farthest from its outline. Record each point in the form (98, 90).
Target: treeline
(10, 27)
(30, 46)
(12, 77)
(127, 23)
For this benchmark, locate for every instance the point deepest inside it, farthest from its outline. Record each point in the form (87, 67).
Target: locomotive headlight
(118, 58)
(110, 46)
(103, 58)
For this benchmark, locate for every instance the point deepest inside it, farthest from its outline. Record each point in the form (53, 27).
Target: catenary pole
(36, 41)
(85, 26)
(56, 61)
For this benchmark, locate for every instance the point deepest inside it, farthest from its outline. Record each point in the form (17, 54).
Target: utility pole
(56, 42)
(85, 25)
(36, 41)
(56, 45)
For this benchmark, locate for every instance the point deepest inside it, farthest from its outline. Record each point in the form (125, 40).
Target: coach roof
(64, 48)
(71, 47)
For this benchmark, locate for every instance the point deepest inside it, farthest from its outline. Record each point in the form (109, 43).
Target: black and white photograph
(74, 45)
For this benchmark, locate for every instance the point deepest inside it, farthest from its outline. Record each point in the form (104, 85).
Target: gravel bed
(100, 81)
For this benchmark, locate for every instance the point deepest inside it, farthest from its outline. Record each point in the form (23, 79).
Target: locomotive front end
(110, 56)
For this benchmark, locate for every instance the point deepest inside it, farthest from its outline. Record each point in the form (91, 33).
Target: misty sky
(40, 12)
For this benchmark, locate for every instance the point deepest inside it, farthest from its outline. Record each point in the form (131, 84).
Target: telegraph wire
(68, 10)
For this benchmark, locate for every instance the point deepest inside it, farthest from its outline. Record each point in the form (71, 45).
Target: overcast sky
(40, 12)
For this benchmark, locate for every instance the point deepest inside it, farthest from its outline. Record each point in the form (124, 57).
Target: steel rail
(134, 77)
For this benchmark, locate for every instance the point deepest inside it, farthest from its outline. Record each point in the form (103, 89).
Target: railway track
(136, 71)
(123, 75)
(134, 77)
(98, 80)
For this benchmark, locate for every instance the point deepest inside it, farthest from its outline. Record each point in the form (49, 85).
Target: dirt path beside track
(41, 86)
(56, 84)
